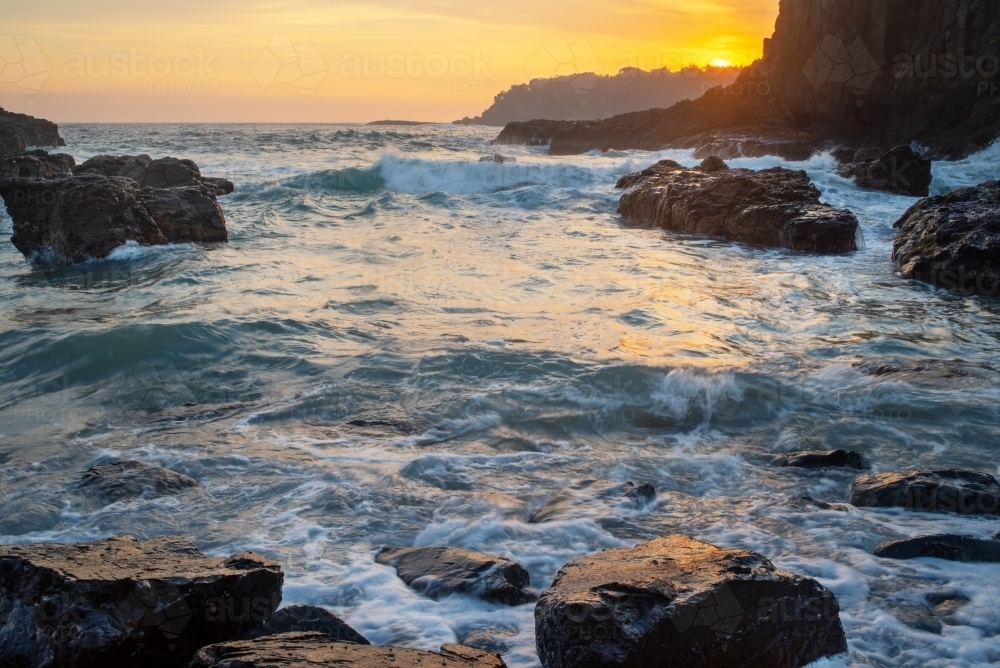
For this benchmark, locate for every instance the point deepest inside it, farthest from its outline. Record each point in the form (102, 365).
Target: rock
(815, 460)
(530, 133)
(309, 619)
(773, 208)
(587, 494)
(27, 512)
(681, 602)
(129, 478)
(19, 131)
(309, 650)
(440, 571)
(497, 158)
(943, 546)
(901, 170)
(752, 142)
(937, 607)
(66, 219)
(713, 163)
(149, 173)
(825, 505)
(120, 601)
(941, 491)
(953, 240)
(35, 163)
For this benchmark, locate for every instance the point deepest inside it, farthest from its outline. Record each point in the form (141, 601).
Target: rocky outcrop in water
(497, 158)
(309, 650)
(66, 219)
(773, 208)
(595, 497)
(830, 458)
(19, 131)
(149, 173)
(953, 240)
(129, 478)
(943, 546)
(309, 619)
(123, 602)
(943, 491)
(440, 571)
(837, 72)
(35, 163)
(901, 171)
(530, 133)
(681, 602)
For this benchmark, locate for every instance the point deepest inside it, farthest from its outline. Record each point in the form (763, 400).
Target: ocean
(401, 345)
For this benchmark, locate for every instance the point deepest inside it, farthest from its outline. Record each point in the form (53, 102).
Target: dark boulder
(530, 133)
(942, 546)
(119, 602)
(751, 142)
(497, 158)
(944, 491)
(713, 163)
(773, 208)
(129, 478)
(440, 571)
(65, 219)
(19, 131)
(676, 601)
(35, 163)
(830, 458)
(594, 495)
(309, 650)
(309, 619)
(953, 240)
(149, 173)
(901, 171)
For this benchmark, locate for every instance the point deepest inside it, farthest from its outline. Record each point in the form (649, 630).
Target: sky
(340, 60)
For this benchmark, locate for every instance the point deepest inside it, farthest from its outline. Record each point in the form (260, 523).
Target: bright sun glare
(721, 62)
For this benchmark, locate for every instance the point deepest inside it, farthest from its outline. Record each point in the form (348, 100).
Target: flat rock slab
(120, 601)
(150, 173)
(309, 619)
(830, 458)
(440, 571)
(66, 219)
(129, 478)
(943, 546)
(309, 650)
(771, 208)
(943, 491)
(953, 240)
(676, 601)
(596, 498)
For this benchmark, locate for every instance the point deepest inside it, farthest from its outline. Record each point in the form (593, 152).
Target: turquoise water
(402, 345)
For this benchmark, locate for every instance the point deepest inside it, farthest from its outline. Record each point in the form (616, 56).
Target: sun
(721, 62)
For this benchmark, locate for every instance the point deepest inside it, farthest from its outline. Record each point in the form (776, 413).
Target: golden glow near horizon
(322, 61)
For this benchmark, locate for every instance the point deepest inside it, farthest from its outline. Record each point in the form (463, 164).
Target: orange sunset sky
(333, 61)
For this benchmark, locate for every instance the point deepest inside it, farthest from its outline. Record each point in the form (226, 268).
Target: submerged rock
(149, 173)
(901, 171)
(943, 546)
(120, 601)
(930, 615)
(953, 240)
(129, 478)
(35, 163)
(676, 601)
(774, 208)
(497, 158)
(830, 458)
(309, 619)
(587, 493)
(944, 491)
(308, 650)
(440, 571)
(67, 219)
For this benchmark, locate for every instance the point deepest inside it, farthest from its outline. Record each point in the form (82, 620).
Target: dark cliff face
(18, 131)
(876, 72)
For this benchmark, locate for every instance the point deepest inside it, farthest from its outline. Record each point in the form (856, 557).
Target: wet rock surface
(830, 458)
(589, 493)
(530, 133)
(440, 571)
(149, 173)
(35, 163)
(307, 650)
(309, 619)
(126, 602)
(943, 546)
(901, 171)
(953, 240)
(129, 478)
(942, 491)
(679, 601)
(773, 208)
(66, 219)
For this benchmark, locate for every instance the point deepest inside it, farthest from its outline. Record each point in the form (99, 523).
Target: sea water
(401, 345)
